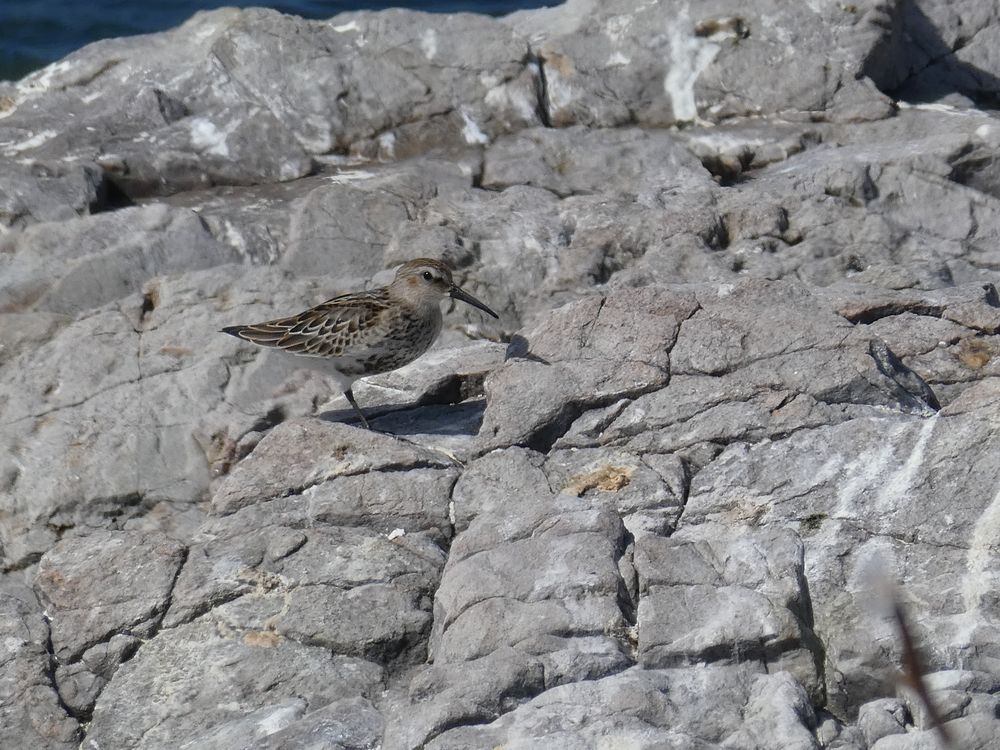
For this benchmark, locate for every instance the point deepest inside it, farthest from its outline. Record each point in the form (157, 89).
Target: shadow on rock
(432, 419)
(920, 65)
(519, 348)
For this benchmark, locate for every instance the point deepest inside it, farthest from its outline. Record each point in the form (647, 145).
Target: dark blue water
(34, 33)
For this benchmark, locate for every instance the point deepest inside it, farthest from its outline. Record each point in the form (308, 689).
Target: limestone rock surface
(730, 449)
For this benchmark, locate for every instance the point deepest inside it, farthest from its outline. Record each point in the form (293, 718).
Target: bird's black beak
(457, 293)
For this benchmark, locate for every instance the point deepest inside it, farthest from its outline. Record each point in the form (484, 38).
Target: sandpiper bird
(366, 333)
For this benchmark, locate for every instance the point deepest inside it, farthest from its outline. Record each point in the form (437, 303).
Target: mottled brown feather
(326, 330)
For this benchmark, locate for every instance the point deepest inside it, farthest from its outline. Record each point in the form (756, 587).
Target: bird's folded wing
(343, 325)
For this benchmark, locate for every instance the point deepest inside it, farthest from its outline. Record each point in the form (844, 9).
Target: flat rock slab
(311, 452)
(727, 600)
(872, 480)
(734, 428)
(559, 369)
(214, 678)
(652, 708)
(30, 710)
(350, 590)
(137, 573)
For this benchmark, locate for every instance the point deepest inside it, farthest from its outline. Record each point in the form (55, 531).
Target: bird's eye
(428, 276)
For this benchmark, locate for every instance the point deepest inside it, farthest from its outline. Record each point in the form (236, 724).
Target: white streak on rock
(616, 30)
(351, 26)
(471, 132)
(558, 89)
(947, 109)
(782, 34)
(984, 547)
(722, 142)
(503, 96)
(353, 175)
(863, 472)
(234, 238)
(206, 30)
(895, 487)
(387, 144)
(41, 80)
(874, 564)
(617, 27)
(490, 80)
(872, 473)
(11, 147)
(206, 137)
(429, 43)
(278, 718)
(689, 57)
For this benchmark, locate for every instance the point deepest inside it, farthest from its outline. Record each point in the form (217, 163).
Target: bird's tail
(233, 331)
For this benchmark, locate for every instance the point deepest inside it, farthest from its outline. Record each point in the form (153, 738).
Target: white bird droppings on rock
(471, 132)
(207, 137)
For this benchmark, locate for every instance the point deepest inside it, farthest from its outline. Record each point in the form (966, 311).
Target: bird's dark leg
(361, 414)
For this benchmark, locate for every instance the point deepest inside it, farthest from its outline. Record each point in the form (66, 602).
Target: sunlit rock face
(722, 472)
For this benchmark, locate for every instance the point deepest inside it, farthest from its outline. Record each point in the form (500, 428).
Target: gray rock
(352, 591)
(730, 149)
(31, 710)
(882, 717)
(740, 374)
(866, 496)
(22, 331)
(555, 371)
(578, 160)
(954, 694)
(779, 711)
(735, 424)
(340, 226)
(215, 678)
(311, 452)
(544, 252)
(80, 683)
(253, 220)
(832, 733)
(208, 100)
(440, 696)
(137, 574)
(974, 732)
(56, 407)
(41, 192)
(703, 599)
(257, 726)
(613, 64)
(945, 50)
(551, 568)
(78, 265)
(489, 483)
(442, 376)
(650, 709)
(647, 491)
(351, 724)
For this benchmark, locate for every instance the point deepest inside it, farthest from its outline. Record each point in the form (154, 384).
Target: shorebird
(366, 333)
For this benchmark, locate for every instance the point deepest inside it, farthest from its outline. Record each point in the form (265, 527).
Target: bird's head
(425, 280)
